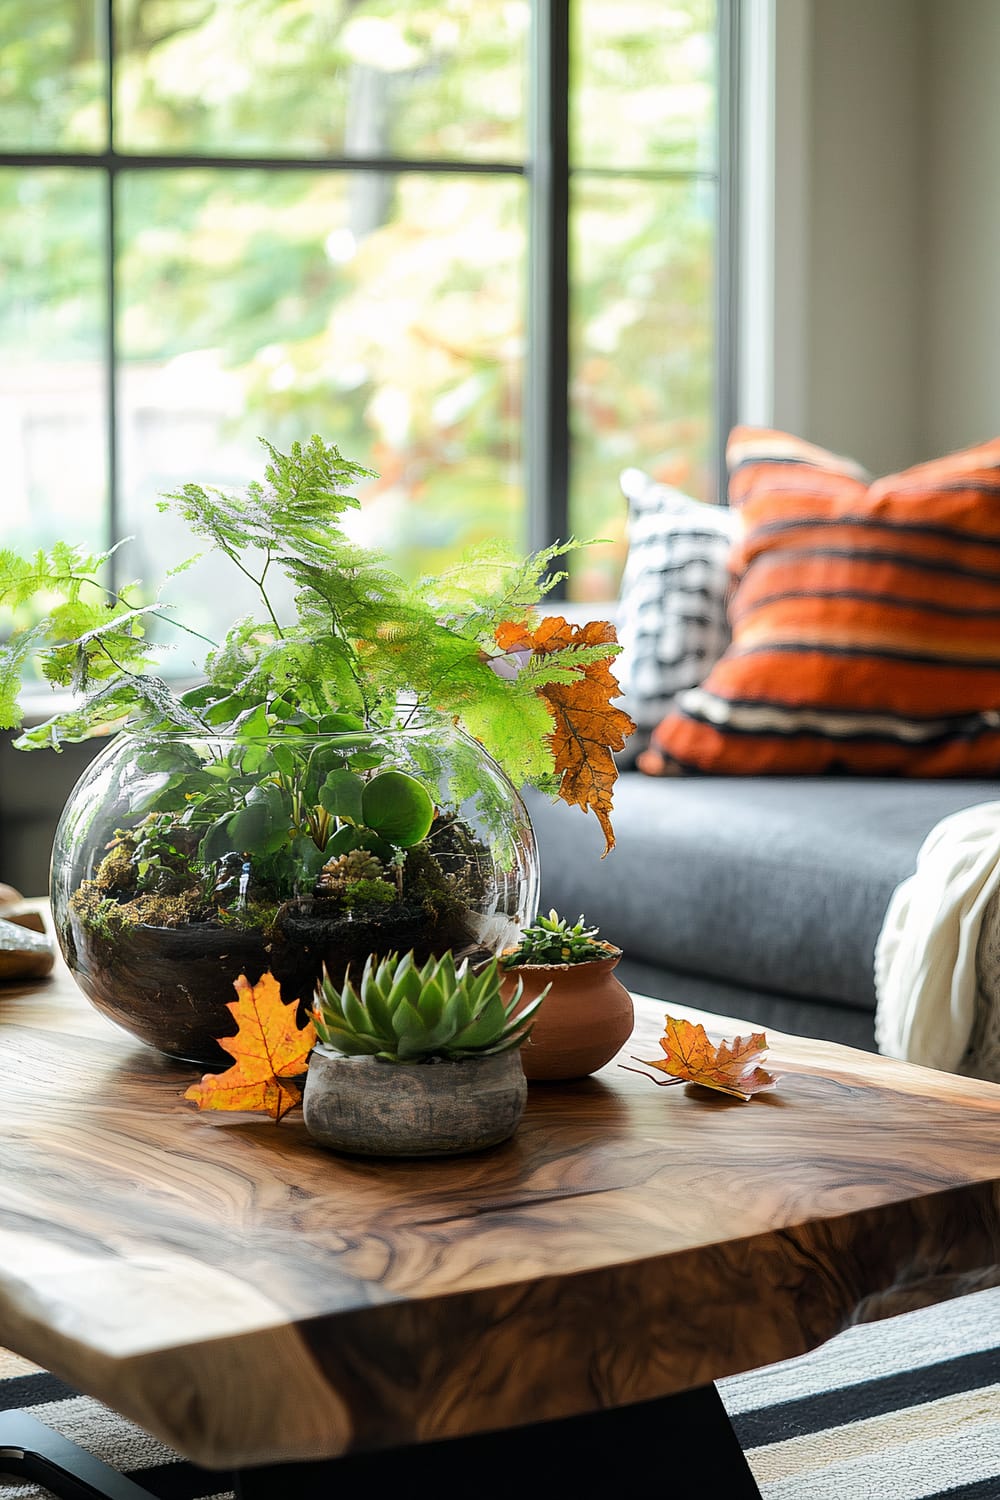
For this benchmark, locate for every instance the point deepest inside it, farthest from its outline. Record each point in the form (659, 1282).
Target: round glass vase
(182, 861)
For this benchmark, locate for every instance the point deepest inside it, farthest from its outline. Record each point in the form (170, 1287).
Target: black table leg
(30, 1450)
(682, 1444)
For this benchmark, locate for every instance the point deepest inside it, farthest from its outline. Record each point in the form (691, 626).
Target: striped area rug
(907, 1409)
(103, 1433)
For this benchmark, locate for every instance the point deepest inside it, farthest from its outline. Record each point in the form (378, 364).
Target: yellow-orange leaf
(270, 1051)
(587, 728)
(731, 1067)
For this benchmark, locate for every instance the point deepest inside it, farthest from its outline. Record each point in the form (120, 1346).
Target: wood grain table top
(249, 1297)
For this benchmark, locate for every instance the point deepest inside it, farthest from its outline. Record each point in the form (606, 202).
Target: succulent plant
(406, 1014)
(551, 940)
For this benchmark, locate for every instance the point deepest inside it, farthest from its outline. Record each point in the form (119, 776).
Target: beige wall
(864, 252)
(960, 364)
(891, 335)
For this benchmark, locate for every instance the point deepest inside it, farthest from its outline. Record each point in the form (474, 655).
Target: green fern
(302, 494)
(14, 658)
(491, 584)
(358, 642)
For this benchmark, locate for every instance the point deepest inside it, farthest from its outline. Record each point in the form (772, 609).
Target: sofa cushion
(865, 620)
(776, 883)
(752, 1009)
(672, 621)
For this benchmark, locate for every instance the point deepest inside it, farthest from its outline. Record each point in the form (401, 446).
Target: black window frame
(549, 175)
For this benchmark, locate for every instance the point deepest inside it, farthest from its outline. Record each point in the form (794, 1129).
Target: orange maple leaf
(587, 728)
(270, 1051)
(730, 1067)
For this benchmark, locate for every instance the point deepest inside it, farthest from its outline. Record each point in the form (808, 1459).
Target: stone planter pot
(182, 861)
(584, 1020)
(367, 1107)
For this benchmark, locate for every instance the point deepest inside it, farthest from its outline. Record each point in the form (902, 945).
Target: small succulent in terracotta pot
(587, 1016)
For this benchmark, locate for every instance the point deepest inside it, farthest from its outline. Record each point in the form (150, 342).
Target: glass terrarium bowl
(181, 862)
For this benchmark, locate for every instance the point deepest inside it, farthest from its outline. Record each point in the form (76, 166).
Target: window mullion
(111, 363)
(546, 418)
(727, 235)
(110, 294)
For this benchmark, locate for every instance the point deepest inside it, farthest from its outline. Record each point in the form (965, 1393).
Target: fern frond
(307, 488)
(14, 657)
(565, 665)
(297, 507)
(513, 725)
(228, 665)
(316, 669)
(102, 709)
(62, 572)
(492, 584)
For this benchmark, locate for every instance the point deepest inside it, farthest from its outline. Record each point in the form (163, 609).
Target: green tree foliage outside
(387, 309)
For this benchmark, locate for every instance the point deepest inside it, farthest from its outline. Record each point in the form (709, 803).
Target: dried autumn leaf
(731, 1067)
(587, 728)
(270, 1051)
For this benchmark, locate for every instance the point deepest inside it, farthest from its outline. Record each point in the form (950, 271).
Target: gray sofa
(756, 897)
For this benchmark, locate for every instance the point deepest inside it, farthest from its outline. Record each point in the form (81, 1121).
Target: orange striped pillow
(865, 621)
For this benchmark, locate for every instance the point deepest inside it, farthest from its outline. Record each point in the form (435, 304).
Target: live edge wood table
(552, 1311)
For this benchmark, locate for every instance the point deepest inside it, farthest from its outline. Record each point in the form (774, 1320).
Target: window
(476, 243)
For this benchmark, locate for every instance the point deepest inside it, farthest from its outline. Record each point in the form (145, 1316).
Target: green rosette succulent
(551, 940)
(403, 1013)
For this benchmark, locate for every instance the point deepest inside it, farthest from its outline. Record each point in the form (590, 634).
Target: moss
(369, 893)
(255, 916)
(105, 916)
(117, 873)
(439, 883)
(95, 909)
(422, 872)
(162, 910)
(451, 860)
(441, 895)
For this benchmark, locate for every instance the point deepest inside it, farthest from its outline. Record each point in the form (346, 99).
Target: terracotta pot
(583, 1021)
(367, 1107)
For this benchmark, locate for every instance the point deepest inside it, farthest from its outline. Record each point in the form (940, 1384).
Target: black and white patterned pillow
(672, 622)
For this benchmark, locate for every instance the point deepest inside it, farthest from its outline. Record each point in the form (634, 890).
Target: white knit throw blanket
(926, 984)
